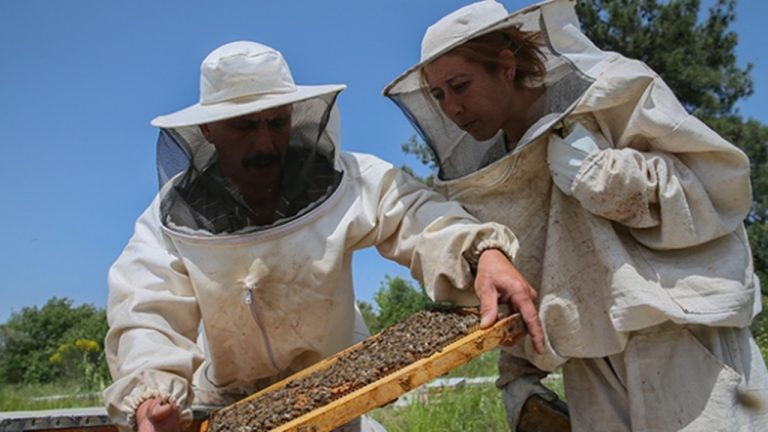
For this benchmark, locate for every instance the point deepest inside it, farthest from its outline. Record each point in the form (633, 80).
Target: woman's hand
(497, 281)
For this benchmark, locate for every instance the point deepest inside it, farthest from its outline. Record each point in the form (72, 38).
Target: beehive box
(367, 375)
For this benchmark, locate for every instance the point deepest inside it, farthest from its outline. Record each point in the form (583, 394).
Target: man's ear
(508, 64)
(206, 131)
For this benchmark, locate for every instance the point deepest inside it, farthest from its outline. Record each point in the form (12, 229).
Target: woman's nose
(452, 107)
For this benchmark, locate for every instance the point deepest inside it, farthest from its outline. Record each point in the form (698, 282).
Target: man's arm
(153, 323)
(443, 245)
(157, 415)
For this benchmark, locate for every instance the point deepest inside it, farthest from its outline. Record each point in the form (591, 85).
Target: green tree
(424, 154)
(30, 338)
(758, 237)
(369, 316)
(695, 58)
(397, 299)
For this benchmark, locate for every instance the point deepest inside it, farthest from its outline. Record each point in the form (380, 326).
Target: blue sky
(80, 80)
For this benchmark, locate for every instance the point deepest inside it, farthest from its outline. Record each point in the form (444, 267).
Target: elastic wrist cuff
(472, 256)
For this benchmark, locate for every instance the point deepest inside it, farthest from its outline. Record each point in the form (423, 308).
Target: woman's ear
(508, 64)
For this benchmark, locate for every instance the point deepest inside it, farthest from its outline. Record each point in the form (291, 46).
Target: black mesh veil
(197, 198)
(458, 153)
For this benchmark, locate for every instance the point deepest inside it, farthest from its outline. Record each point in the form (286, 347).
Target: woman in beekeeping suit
(628, 211)
(251, 239)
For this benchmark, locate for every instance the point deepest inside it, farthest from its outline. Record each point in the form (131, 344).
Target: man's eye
(243, 126)
(279, 122)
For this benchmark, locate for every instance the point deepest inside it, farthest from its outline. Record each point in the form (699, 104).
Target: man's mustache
(260, 160)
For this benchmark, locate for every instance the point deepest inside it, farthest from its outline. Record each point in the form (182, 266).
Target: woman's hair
(526, 45)
(485, 49)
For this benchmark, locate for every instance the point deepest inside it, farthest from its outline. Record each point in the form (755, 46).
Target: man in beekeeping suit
(248, 245)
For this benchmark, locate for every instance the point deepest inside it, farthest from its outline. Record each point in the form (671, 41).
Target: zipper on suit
(260, 325)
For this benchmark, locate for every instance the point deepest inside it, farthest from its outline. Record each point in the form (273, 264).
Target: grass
(472, 408)
(30, 397)
(485, 366)
(482, 366)
(467, 408)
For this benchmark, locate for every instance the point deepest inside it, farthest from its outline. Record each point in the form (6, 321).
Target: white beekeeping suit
(637, 249)
(271, 299)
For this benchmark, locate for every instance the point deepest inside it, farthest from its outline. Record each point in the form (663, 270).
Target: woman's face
(479, 102)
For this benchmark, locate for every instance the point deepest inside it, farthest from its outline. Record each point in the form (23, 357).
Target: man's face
(252, 147)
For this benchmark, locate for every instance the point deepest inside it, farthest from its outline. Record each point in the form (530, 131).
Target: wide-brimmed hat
(458, 27)
(240, 78)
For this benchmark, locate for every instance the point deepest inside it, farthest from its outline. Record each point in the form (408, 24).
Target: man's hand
(157, 415)
(499, 281)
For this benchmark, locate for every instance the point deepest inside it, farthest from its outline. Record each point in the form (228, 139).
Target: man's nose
(261, 140)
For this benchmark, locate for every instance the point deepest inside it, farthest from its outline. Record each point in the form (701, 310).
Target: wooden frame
(394, 385)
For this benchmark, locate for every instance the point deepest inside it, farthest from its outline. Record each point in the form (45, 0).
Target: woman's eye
(437, 95)
(459, 87)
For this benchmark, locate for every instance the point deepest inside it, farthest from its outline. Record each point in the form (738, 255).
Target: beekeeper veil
(210, 190)
(568, 57)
